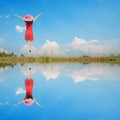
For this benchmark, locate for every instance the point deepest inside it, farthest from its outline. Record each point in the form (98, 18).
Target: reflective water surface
(60, 92)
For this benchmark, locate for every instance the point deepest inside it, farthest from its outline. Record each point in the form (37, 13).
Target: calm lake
(65, 92)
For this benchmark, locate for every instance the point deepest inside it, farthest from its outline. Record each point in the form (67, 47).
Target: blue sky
(95, 24)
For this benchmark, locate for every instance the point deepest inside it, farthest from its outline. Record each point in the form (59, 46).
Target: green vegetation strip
(51, 59)
(10, 59)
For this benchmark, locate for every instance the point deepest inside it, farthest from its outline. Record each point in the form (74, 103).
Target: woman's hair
(29, 22)
(28, 97)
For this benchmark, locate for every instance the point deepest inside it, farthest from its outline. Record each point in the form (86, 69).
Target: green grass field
(53, 59)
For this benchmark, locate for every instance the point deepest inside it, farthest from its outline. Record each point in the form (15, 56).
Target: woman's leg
(30, 72)
(30, 46)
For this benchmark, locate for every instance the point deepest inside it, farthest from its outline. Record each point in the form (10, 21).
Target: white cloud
(3, 50)
(78, 41)
(20, 90)
(25, 50)
(77, 47)
(19, 29)
(50, 48)
(93, 47)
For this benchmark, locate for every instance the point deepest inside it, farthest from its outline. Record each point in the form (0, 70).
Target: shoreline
(61, 59)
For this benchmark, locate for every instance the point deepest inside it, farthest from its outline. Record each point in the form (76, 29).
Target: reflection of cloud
(34, 69)
(51, 71)
(3, 69)
(77, 72)
(93, 72)
(20, 90)
(19, 28)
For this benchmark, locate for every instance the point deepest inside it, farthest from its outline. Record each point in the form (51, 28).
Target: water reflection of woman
(29, 99)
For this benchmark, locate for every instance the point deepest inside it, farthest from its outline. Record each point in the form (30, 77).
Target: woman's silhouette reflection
(29, 99)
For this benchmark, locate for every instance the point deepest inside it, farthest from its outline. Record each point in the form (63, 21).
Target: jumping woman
(29, 20)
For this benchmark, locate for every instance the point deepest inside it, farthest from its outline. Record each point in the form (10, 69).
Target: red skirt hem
(29, 37)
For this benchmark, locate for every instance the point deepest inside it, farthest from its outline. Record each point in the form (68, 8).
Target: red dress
(29, 32)
(29, 86)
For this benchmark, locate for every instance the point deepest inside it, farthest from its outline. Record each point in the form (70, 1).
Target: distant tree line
(3, 65)
(4, 54)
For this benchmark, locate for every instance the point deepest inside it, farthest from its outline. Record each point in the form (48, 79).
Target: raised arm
(19, 102)
(18, 16)
(35, 18)
(37, 103)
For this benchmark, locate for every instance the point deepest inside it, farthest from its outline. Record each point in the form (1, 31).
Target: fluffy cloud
(49, 48)
(19, 28)
(25, 50)
(93, 47)
(20, 90)
(77, 47)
